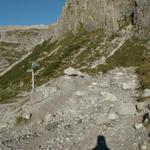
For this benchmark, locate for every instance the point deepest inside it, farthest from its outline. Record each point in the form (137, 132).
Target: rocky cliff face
(142, 16)
(110, 15)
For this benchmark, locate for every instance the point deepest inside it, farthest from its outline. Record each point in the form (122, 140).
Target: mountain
(92, 80)
(16, 42)
(110, 15)
(92, 30)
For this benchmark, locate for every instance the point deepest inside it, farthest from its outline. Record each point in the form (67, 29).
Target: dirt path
(78, 112)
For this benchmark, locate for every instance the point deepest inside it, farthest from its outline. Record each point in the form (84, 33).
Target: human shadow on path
(101, 144)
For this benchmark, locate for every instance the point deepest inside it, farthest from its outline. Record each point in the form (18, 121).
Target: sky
(30, 12)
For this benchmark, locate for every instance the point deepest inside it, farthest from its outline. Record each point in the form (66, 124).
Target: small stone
(146, 93)
(138, 126)
(109, 96)
(27, 116)
(143, 146)
(80, 93)
(140, 106)
(112, 116)
(3, 126)
(94, 83)
(146, 118)
(129, 85)
(48, 117)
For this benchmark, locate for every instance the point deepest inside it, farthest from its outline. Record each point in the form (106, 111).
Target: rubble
(75, 115)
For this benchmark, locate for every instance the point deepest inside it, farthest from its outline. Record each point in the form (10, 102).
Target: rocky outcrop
(110, 15)
(142, 16)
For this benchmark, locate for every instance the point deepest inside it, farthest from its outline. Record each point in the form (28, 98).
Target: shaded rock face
(142, 16)
(110, 15)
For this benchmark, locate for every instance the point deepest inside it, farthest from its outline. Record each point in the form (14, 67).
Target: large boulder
(73, 72)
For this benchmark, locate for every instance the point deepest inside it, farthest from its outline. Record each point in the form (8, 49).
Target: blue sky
(30, 12)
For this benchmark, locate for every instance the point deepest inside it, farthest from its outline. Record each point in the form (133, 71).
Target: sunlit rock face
(110, 15)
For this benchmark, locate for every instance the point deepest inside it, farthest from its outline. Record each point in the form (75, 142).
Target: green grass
(18, 79)
(144, 73)
(9, 44)
(131, 54)
(19, 120)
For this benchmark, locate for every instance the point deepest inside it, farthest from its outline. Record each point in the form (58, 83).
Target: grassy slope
(78, 51)
(50, 65)
(133, 53)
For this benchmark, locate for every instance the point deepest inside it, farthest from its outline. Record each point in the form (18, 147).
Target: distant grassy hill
(80, 51)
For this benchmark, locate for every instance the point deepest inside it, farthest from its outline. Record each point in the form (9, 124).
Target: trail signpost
(33, 67)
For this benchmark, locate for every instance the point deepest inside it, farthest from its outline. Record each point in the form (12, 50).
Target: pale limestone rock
(109, 96)
(140, 106)
(26, 116)
(80, 93)
(146, 93)
(112, 116)
(73, 72)
(126, 109)
(138, 126)
(129, 85)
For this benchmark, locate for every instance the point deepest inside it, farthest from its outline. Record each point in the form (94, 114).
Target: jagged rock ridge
(110, 15)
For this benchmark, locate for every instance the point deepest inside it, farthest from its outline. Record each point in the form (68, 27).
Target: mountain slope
(88, 51)
(15, 42)
(108, 41)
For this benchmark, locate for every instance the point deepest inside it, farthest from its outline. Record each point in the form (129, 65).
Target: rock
(3, 126)
(109, 96)
(144, 146)
(73, 72)
(146, 118)
(48, 117)
(140, 106)
(138, 126)
(80, 93)
(112, 116)
(128, 85)
(94, 83)
(109, 15)
(146, 93)
(126, 109)
(26, 116)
